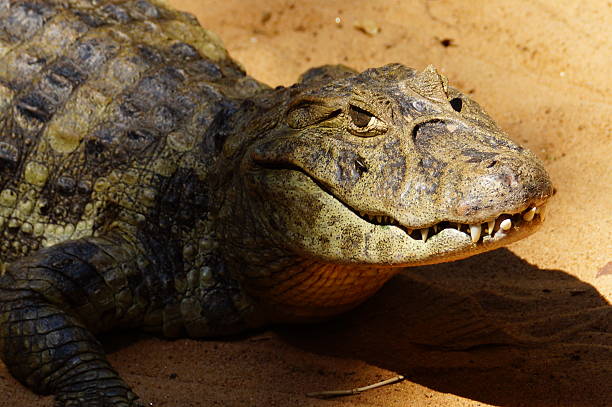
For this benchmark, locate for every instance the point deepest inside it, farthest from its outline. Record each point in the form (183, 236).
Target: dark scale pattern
(185, 196)
(9, 155)
(22, 20)
(221, 298)
(93, 111)
(134, 132)
(20, 66)
(60, 353)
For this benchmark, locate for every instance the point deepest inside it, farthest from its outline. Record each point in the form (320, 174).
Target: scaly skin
(146, 181)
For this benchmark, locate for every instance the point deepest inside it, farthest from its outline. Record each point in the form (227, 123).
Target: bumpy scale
(146, 181)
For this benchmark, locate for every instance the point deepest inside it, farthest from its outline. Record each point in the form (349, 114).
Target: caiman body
(146, 182)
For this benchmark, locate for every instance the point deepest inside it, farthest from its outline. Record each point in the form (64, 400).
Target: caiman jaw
(481, 232)
(436, 242)
(494, 229)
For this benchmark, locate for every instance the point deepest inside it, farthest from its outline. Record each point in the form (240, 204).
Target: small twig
(261, 338)
(340, 393)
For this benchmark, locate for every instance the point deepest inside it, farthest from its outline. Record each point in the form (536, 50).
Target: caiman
(146, 182)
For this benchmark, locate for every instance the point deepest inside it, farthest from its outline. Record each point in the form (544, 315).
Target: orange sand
(530, 325)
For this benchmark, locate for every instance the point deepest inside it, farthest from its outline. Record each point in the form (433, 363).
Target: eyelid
(306, 113)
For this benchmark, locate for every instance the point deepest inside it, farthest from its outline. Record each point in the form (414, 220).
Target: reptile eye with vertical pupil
(360, 117)
(456, 104)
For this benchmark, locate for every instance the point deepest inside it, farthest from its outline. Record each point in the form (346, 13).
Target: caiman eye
(364, 123)
(360, 117)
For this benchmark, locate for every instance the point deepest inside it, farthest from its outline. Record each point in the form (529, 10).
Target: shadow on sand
(492, 328)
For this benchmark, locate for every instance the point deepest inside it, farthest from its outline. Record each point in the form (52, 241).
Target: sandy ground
(530, 325)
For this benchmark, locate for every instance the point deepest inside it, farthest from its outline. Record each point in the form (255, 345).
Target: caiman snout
(502, 183)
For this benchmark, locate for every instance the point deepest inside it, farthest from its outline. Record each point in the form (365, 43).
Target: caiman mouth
(492, 229)
(500, 226)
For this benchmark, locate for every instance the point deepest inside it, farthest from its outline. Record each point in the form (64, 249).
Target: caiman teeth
(528, 216)
(475, 232)
(506, 224)
(541, 210)
(478, 232)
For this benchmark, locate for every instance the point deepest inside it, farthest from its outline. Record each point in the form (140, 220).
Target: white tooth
(459, 227)
(528, 216)
(424, 233)
(490, 226)
(435, 228)
(409, 231)
(506, 224)
(541, 210)
(475, 232)
(379, 219)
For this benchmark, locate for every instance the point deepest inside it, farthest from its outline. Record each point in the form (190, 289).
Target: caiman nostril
(456, 104)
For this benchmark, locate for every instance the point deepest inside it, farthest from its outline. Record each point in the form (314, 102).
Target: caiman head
(376, 170)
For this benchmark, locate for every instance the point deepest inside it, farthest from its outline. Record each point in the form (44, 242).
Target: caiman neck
(306, 290)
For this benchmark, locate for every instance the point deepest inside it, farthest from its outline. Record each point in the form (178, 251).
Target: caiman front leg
(51, 305)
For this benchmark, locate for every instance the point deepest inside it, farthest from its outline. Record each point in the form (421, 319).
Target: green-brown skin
(146, 181)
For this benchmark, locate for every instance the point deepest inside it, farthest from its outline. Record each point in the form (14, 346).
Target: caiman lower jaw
(493, 229)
